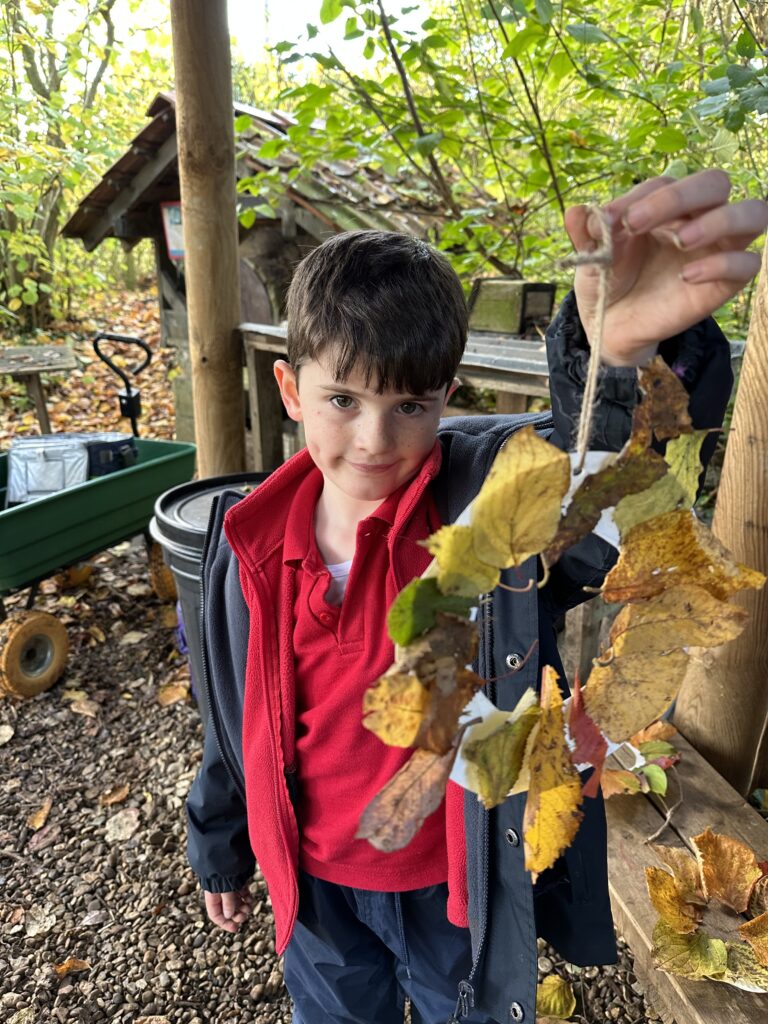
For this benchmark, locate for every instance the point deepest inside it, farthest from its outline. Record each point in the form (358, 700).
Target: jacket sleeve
(218, 846)
(700, 357)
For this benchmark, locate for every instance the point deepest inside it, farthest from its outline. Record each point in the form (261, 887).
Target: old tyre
(33, 652)
(160, 576)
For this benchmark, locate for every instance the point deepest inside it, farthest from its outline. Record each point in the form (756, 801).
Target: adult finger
(619, 206)
(694, 194)
(743, 221)
(738, 267)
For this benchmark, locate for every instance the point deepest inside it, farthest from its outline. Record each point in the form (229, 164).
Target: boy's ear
(285, 375)
(455, 383)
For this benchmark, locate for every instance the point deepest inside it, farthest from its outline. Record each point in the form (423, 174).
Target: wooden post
(205, 128)
(722, 707)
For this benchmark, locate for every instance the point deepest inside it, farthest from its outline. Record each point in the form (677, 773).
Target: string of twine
(602, 257)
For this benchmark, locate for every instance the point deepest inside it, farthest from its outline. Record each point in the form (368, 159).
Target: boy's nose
(374, 434)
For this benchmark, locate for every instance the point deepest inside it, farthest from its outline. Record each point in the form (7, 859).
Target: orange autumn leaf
(116, 795)
(618, 782)
(756, 934)
(661, 730)
(667, 898)
(552, 816)
(729, 869)
(71, 966)
(675, 550)
(38, 818)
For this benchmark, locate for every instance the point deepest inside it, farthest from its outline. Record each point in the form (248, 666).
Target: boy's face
(365, 444)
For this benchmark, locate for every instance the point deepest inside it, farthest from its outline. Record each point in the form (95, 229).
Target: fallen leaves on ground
(116, 795)
(669, 901)
(38, 818)
(555, 998)
(71, 966)
(7, 732)
(692, 956)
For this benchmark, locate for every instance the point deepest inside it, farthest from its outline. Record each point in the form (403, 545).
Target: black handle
(123, 339)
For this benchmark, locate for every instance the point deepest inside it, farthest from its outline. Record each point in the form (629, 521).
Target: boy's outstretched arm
(679, 253)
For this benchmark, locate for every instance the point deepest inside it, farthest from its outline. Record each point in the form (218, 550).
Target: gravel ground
(109, 884)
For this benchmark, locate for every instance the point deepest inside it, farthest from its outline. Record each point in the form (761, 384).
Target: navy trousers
(355, 955)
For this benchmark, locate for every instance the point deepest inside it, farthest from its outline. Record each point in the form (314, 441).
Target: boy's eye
(411, 408)
(342, 401)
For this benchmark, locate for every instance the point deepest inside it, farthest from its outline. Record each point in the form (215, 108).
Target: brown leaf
(758, 898)
(667, 898)
(38, 818)
(675, 550)
(728, 868)
(668, 399)
(591, 746)
(396, 813)
(685, 868)
(171, 694)
(46, 837)
(618, 782)
(86, 707)
(116, 795)
(756, 934)
(168, 616)
(71, 966)
(661, 730)
(135, 636)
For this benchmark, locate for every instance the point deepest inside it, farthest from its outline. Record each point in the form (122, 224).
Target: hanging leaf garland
(678, 581)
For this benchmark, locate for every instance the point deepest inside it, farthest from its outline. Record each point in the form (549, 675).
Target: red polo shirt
(339, 650)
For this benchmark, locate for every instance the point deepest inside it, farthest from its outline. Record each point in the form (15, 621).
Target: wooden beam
(205, 128)
(122, 202)
(722, 707)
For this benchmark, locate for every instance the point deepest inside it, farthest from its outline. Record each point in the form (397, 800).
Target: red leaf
(591, 746)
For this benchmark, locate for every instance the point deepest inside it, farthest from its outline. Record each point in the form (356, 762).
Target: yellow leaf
(729, 869)
(685, 868)
(71, 966)
(662, 496)
(555, 998)
(756, 934)
(393, 708)
(97, 634)
(460, 570)
(552, 816)
(619, 783)
(672, 550)
(625, 694)
(171, 694)
(40, 816)
(517, 511)
(689, 956)
(86, 707)
(494, 761)
(680, 617)
(744, 970)
(669, 903)
(683, 455)
(116, 795)
(15, 304)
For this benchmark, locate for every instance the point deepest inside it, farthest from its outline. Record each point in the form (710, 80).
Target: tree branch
(106, 12)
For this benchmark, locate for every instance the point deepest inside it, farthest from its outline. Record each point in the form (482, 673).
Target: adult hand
(678, 255)
(229, 909)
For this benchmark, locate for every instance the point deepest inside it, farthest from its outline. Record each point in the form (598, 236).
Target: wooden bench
(513, 367)
(26, 363)
(708, 801)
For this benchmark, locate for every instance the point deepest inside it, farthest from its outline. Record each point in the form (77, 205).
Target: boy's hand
(678, 255)
(229, 909)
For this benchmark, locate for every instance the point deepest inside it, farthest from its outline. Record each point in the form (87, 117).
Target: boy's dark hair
(386, 304)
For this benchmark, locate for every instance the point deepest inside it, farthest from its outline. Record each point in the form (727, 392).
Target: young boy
(299, 575)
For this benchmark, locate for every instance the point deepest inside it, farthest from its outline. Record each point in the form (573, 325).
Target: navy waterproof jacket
(569, 905)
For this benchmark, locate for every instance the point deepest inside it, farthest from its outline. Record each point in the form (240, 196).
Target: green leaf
(369, 48)
(560, 66)
(676, 169)
(352, 30)
(29, 298)
(656, 748)
(425, 144)
(330, 10)
(284, 47)
(657, 778)
(586, 32)
(670, 140)
(544, 11)
(739, 76)
(735, 118)
(716, 86)
(270, 149)
(414, 610)
(697, 19)
(522, 41)
(247, 217)
(711, 106)
(242, 123)
(311, 31)
(745, 45)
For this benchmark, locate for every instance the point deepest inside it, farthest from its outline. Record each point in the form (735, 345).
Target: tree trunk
(207, 175)
(722, 707)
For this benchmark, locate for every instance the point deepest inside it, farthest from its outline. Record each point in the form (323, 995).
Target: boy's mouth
(372, 467)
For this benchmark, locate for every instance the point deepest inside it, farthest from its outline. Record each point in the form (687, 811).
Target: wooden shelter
(334, 196)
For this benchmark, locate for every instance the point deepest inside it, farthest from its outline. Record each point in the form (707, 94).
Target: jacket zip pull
(465, 1003)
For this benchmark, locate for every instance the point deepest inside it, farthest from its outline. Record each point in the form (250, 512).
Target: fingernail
(689, 235)
(636, 219)
(691, 273)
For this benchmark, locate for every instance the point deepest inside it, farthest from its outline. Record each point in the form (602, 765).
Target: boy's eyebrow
(337, 389)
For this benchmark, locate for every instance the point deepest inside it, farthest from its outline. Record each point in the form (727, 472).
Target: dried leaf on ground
(667, 897)
(39, 920)
(675, 550)
(172, 693)
(415, 608)
(71, 966)
(123, 825)
(555, 998)
(97, 634)
(729, 869)
(626, 694)
(552, 816)
(169, 618)
(84, 706)
(691, 956)
(38, 818)
(7, 732)
(494, 761)
(743, 969)
(591, 746)
(755, 932)
(396, 813)
(667, 397)
(134, 636)
(461, 572)
(116, 795)
(516, 513)
(46, 837)
(686, 870)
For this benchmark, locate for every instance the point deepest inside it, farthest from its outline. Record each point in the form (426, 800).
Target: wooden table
(513, 367)
(27, 363)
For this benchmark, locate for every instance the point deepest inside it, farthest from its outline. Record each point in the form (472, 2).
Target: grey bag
(38, 467)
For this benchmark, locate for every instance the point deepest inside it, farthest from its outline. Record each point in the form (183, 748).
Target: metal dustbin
(179, 525)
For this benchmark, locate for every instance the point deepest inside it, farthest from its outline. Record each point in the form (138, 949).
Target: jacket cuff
(225, 883)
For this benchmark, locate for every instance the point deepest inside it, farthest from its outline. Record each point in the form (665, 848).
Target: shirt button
(512, 837)
(325, 616)
(516, 1012)
(513, 661)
